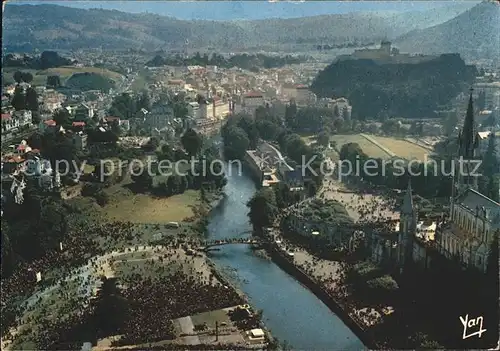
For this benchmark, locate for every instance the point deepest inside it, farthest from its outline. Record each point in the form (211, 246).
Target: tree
(7, 252)
(263, 209)
(53, 82)
(236, 142)
(62, 118)
(267, 129)
(291, 115)
(18, 76)
(450, 124)
(323, 138)
(493, 188)
(336, 111)
(481, 100)
(152, 144)
(102, 198)
(391, 127)
(191, 142)
(27, 77)
(31, 100)
(143, 179)
(35, 140)
(144, 101)
(18, 100)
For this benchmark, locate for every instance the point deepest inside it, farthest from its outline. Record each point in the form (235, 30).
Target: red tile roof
(50, 122)
(78, 124)
(14, 159)
(6, 116)
(253, 94)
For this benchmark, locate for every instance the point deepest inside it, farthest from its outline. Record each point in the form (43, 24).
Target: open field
(142, 208)
(367, 146)
(402, 148)
(40, 76)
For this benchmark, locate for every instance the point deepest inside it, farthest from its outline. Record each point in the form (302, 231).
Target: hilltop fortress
(386, 54)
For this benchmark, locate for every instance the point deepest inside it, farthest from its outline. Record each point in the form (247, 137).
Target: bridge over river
(207, 244)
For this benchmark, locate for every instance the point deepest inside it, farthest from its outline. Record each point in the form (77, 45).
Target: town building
(83, 112)
(80, 140)
(160, 115)
(12, 122)
(221, 108)
(304, 96)
(251, 101)
(386, 54)
(491, 93)
(484, 140)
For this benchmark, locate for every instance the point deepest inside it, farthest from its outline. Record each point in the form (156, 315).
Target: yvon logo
(475, 325)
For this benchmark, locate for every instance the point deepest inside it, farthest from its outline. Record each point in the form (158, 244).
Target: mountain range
(474, 34)
(29, 27)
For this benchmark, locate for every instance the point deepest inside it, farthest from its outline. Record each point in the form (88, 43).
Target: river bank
(291, 312)
(287, 264)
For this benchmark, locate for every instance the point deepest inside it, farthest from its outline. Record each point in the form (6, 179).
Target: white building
(16, 120)
(159, 116)
(491, 92)
(304, 96)
(251, 101)
(484, 140)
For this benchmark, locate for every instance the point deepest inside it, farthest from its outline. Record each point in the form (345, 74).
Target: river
(291, 311)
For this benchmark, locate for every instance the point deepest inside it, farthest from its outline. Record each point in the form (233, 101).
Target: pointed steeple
(468, 134)
(407, 208)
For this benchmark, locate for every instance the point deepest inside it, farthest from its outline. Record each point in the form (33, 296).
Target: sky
(251, 10)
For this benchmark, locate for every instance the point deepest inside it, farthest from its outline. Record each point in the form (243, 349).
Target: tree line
(244, 61)
(47, 59)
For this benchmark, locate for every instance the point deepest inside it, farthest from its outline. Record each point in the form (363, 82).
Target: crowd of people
(73, 277)
(368, 206)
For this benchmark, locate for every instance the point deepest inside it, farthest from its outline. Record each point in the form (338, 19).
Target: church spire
(407, 207)
(468, 134)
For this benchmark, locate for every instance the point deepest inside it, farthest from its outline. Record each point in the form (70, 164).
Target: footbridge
(207, 244)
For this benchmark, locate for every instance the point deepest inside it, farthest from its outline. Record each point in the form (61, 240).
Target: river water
(291, 311)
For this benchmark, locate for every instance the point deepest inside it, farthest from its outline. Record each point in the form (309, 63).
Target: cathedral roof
(473, 200)
(468, 136)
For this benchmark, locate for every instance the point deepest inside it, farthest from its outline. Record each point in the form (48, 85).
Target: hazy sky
(224, 10)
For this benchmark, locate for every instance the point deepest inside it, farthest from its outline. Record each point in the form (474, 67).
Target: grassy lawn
(368, 147)
(67, 71)
(308, 139)
(139, 83)
(402, 148)
(211, 317)
(142, 208)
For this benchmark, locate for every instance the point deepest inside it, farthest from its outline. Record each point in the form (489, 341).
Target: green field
(40, 76)
(142, 208)
(367, 146)
(403, 148)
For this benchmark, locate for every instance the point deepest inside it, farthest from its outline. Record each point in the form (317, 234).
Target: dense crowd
(154, 302)
(149, 303)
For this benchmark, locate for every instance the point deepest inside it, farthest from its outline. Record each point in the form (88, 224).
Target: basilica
(473, 218)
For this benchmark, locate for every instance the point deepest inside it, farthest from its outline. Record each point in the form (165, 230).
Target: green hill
(378, 90)
(89, 81)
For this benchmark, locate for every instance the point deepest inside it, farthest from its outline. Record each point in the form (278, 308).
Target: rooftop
(253, 94)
